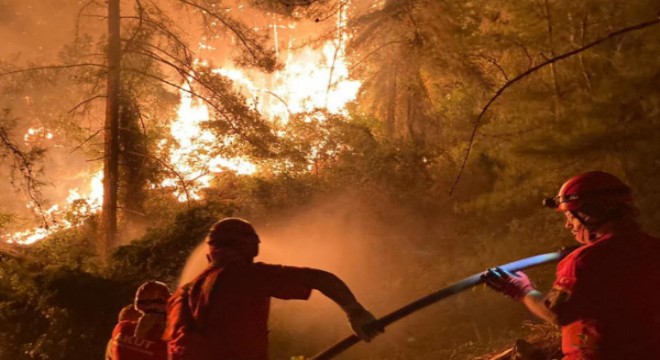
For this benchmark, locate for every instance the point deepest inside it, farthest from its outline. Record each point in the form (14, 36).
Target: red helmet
(151, 293)
(590, 188)
(231, 232)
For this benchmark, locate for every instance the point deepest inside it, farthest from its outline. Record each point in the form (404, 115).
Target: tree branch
(84, 142)
(51, 67)
(25, 162)
(85, 102)
(532, 70)
(232, 27)
(182, 180)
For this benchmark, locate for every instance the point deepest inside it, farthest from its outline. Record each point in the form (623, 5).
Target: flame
(77, 206)
(190, 155)
(310, 79)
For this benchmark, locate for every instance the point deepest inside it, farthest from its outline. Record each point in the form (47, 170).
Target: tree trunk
(553, 70)
(133, 152)
(111, 136)
(390, 118)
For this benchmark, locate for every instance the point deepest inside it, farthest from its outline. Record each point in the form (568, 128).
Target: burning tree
(146, 52)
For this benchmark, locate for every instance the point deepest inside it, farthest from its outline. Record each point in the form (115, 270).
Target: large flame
(190, 155)
(311, 78)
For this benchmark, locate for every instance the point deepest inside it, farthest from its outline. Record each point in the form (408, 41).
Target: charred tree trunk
(111, 135)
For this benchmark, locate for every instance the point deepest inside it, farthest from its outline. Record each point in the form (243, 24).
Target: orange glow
(37, 134)
(55, 216)
(190, 155)
(311, 79)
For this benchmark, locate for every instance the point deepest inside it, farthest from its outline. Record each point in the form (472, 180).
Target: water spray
(441, 294)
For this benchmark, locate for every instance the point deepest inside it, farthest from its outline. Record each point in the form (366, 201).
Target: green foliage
(54, 312)
(161, 253)
(74, 248)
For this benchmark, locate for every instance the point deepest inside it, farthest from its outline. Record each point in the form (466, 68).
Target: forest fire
(311, 78)
(360, 153)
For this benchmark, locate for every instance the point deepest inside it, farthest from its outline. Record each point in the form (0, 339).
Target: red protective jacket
(223, 313)
(607, 298)
(125, 346)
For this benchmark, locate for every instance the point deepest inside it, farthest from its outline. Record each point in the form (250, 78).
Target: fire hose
(443, 293)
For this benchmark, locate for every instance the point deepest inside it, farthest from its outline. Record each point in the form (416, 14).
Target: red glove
(515, 286)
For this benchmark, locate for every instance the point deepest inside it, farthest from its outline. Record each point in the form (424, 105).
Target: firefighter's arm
(362, 321)
(535, 303)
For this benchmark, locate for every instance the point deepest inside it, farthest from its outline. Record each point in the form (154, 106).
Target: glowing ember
(37, 134)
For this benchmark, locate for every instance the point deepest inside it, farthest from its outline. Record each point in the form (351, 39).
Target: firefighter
(127, 313)
(606, 295)
(141, 339)
(223, 313)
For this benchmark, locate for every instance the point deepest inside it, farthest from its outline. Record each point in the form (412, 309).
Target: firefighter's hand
(364, 324)
(515, 286)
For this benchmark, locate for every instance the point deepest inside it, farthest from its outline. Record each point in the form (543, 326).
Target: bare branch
(169, 167)
(85, 102)
(80, 11)
(236, 129)
(493, 61)
(164, 30)
(85, 141)
(25, 164)
(140, 16)
(51, 67)
(233, 26)
(532, 70)
(364, 58)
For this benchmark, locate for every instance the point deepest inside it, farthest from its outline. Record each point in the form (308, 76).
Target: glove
(364, 324)
(515, 286)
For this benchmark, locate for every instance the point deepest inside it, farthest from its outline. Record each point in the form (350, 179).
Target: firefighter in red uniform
(606, 296)
(141, 339)
(223, 313)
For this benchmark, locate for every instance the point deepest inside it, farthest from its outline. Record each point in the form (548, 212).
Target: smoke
(34, 31)
(370, 246)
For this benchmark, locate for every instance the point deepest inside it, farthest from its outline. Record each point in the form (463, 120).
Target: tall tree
(147, 59)
(111, 132)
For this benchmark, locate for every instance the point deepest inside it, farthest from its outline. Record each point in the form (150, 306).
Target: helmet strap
(591, 227)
